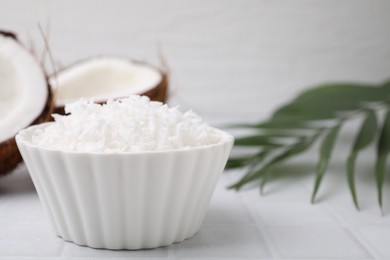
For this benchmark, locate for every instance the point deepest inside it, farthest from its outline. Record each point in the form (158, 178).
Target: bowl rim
(21, 139)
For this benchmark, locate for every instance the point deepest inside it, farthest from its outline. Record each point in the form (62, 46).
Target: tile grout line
(171, 252)
(61, 255)
(371, 248)
(260, 227)
(373, 253)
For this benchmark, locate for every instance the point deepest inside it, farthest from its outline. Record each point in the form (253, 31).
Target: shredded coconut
(133, 124)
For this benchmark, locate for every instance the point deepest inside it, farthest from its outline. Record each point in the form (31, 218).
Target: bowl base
(125, 248)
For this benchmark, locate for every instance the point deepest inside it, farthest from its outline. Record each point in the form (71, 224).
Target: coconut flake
(133, 124)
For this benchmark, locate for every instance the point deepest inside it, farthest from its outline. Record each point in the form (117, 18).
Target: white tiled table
(253, 56)
(282, 224)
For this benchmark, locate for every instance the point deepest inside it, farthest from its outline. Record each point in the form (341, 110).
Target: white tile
(73, 250)
(278, 191)
(316, 242)
(24, 208)
(79, 258)
(379, 237)
(33, 239)
(292, 213)
(31, 258)
(17, 182)
(107, 258)
(226, 206)
(369, 215)
(238, 241)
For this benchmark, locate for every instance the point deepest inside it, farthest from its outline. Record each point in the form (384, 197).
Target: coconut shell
(9, 152)
(158, 93)
(9, 34)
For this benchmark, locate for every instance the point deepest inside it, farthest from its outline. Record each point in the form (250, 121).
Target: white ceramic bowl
(125, 200)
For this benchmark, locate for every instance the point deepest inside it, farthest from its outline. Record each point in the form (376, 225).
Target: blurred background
(230, 60)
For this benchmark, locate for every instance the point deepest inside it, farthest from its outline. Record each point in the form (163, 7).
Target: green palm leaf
(325, 153)
(365, 136)
(318, 112)
(297, 148)
(238, 162)
(257, 140)
(383, 149)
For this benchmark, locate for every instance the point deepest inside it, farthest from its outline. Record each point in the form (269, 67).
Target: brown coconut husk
(9, 152)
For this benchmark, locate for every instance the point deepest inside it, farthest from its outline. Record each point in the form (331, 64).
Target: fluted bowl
(125, 200)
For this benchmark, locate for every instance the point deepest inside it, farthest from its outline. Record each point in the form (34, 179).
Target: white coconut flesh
(23, 88)
(103, 78)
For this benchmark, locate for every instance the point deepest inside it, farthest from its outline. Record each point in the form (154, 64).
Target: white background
(231, 61)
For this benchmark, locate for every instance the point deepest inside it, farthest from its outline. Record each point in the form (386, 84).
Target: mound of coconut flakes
(132, 124)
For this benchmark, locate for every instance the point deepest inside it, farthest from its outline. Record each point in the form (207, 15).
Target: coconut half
(25, 97)
(107, 77)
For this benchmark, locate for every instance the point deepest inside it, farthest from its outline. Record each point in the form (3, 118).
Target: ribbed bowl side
(50, 205)
(126, 201)
(50, 178)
